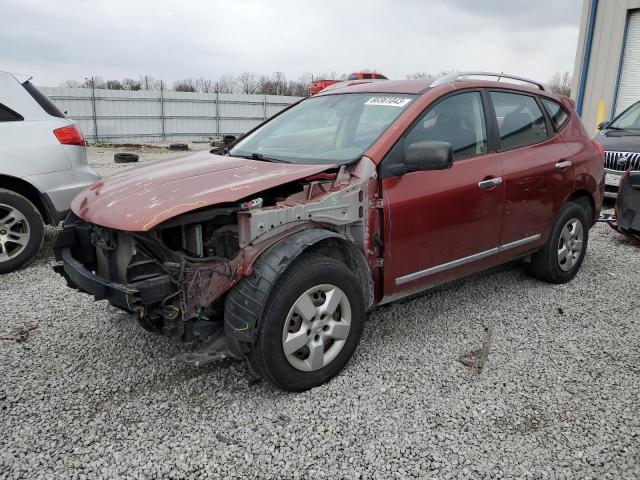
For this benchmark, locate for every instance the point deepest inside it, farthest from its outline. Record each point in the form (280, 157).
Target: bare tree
(226, 84)
(420, 76)
(186, 85)
(72, 84)
(131, 84)
(96, 82)
(204, 85)
(147, 82)
(560, 83)
(248, 83)
(113, 85)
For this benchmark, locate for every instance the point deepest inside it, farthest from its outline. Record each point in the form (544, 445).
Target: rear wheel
(560, 259)
(21, 230)
(310, 325)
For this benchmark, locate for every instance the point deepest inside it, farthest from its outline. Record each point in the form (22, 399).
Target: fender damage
(168, 251)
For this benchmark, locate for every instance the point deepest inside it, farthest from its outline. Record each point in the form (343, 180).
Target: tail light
(600, 149)
(71, 135)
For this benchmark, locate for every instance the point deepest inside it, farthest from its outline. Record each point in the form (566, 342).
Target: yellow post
(601, 113)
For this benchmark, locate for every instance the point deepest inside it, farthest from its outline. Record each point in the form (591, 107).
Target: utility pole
(93, 108)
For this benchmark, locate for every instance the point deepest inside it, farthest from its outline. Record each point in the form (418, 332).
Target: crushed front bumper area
(74, 249)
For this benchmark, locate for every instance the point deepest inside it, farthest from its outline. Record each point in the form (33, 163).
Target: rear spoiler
(22, 78)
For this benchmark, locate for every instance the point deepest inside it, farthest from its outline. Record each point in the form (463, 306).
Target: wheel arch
(585, 195)
(30, 192)
(245, 301)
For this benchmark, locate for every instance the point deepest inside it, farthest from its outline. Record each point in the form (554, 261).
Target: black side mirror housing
(603, 125)
(634, 179)
(431, 155)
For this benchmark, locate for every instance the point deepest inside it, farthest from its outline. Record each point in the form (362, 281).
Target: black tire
(125, 158)
(266, 357)
(32, 224)
(544, 263)
(178, 146)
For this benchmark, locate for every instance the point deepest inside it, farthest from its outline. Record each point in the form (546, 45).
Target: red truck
(275, 251)
(318, 85)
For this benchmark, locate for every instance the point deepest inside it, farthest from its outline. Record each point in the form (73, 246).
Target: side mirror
(603, 125)
(429, 156)
(634, 179)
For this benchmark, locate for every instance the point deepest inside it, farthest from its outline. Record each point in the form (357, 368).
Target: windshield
(629, 120)
(324, 130)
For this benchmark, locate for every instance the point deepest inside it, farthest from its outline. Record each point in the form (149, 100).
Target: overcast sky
(70, 39)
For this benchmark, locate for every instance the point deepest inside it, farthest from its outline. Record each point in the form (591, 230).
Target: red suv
(274, 251)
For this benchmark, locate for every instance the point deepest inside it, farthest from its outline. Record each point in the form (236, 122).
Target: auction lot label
(388, 101)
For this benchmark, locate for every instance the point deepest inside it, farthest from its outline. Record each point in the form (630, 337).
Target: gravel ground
(90, 394)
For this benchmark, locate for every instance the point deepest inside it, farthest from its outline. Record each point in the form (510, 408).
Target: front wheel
(311, 324)
(561, 257)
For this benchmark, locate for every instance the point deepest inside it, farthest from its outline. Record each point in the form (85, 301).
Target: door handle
(492, 182)
(564, 164)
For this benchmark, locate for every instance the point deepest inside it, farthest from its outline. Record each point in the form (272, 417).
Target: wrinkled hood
(142, 197)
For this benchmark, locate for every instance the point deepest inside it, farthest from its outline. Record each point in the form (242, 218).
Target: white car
(43, 165)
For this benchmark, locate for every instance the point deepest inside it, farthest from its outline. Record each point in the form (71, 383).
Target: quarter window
(520, 120)
(8, 115)
(559, 116)
(458, 120)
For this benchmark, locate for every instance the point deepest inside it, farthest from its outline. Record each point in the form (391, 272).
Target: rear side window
(520, 120)
(353, 76)
(559, 116)
(367, 76)
(8, 115)
(46, 104)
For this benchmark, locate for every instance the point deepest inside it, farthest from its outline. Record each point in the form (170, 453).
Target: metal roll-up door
(629, 86)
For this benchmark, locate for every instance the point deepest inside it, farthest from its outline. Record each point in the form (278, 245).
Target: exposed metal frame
(465, 260)
(452, 77)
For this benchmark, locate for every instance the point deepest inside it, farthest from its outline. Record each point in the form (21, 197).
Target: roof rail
(452, 77)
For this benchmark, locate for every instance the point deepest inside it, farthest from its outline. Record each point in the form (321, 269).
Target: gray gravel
(90, 394)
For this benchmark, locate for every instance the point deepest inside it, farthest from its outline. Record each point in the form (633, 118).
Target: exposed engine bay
(174, 277)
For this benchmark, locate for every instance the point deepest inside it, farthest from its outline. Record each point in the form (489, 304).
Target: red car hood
(143, 197)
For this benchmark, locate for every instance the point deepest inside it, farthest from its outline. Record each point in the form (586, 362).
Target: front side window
(629, 120)
(324, 130)
(520, 120)
(559, 116)
(458, 120)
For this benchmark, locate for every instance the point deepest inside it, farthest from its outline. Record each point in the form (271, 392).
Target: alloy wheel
(14, 232)
(570, 244)
(316, 327)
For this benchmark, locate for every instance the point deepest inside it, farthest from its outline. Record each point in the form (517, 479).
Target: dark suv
(620, 139)
(274, 251)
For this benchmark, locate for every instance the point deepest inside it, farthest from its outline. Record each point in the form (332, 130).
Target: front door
(442, 224)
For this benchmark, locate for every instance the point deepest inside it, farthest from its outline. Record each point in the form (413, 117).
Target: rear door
(442, 224)
(537, 173)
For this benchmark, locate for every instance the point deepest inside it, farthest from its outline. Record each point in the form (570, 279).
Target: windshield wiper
(259, 156)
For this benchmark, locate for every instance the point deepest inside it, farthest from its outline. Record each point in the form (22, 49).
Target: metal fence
(123, 116)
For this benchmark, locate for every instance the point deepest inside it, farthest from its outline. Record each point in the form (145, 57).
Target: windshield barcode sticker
(388, 101)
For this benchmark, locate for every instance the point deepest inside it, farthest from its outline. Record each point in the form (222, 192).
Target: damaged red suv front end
(167, 241)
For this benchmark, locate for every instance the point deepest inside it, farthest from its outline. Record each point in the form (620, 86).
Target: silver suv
(43, 165)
